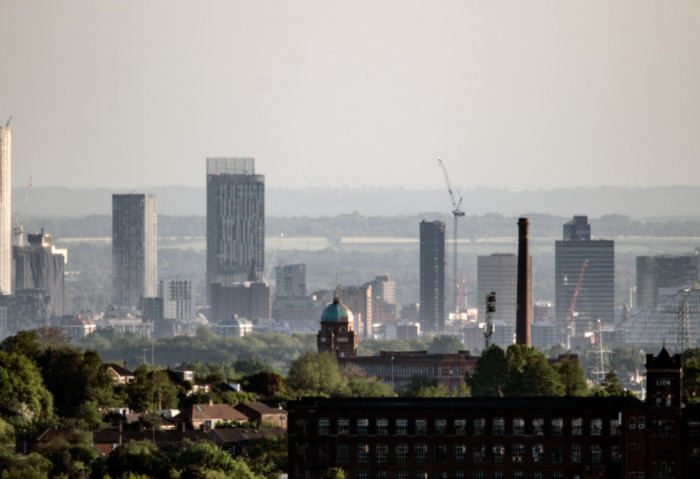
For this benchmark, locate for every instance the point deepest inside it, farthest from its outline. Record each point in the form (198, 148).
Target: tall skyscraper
(5, 209)
(40, 266)
(498, 273)
(235, 222)
(596, 298)
(432, 276)
(134, 249)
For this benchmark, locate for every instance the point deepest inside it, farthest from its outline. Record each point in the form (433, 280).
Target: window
(538, 453)
(557, 454)
(640, 449)
(362, 452)
(577, 426)
(343, 426)
(518, 474)
(640, 422)
(632, 475)
(401, 453)
(400, 474)
(343, 453)
(499, 426)
(596, 426)
(614, 427)
(401, 427)
(498, 474)
(499, 453)
(596, 454)
(382, 453)
(440, 453)
(632, 449)
(479, 426)
(557, 475)
(382, 426)
(324, 426)
(460, 427)
(421, 427)
(537, 475)
(518, 453)
(615, 454)
(381, 474)
(694, 428)
(440, 427)
(557, 426)
(460, 452)
(479, 474)
(633, 423)
(641, 475)
(421, 474)
(518, 426)
(459, 474)
(421, 451)
(576, 453)
(479, 455)
(362, 474)
(538, 426)
(362, 426)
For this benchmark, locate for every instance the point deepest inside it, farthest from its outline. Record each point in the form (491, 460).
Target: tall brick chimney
(522, 322)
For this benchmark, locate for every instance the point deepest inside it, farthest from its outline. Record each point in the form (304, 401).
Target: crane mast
(456, 213)
(570, 314)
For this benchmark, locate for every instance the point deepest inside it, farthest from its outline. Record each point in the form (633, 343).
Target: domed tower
(336, 332)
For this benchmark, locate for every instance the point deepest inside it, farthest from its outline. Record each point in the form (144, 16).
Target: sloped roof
(203, 412)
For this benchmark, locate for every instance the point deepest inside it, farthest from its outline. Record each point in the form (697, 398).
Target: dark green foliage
(71, 454)
(151, 391)
(265, 384)
(691, 376)
(529, 374)
(572, 377)
(334, 473)
(141, 457)
(490, 374)
(24, 400)
(267, 457)
(18, 466)
(199, 459)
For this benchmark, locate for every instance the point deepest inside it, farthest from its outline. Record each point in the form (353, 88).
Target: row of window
(496, 453)
(518, 427)
(460, 474)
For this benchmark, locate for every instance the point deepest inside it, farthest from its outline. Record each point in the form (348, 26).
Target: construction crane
(456, 213)
(570, 314)
(19, 221)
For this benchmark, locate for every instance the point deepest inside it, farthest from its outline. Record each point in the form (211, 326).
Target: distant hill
(656, 202)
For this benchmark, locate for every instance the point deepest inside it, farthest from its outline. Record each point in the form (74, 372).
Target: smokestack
(522, 322)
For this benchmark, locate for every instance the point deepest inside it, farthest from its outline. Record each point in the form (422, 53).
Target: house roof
(260, 408)
(120, 370)
(242, 436)
(203, 412)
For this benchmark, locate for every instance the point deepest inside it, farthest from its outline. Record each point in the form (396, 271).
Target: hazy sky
(513, 94)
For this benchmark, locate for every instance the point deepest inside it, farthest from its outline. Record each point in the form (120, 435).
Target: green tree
(572, 377)
(268, 456)
(25, 343)
(24, 400)
(151, 390)
(204, 458)
(612, 386)
(317, 375)
(529, 374)
(71, 455)
(334, 473)
(445, 345)
(490, 373)
(17, 466)
(266, 384)
(140, 457)
(691, 376)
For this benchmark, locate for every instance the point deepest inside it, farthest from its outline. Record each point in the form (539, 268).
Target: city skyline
(324, 93)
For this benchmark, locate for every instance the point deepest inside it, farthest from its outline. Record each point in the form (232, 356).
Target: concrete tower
(134, 249)
(432, 276)
(5, 209)
(235, 222)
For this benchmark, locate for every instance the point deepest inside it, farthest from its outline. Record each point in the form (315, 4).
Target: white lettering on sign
(663, 382)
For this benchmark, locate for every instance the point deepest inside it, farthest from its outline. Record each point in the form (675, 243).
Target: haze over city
(516, 95)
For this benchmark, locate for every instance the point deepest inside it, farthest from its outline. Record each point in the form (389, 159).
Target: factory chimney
(522, 322)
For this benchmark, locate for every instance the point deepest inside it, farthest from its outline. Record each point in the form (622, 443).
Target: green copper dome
(336, 312)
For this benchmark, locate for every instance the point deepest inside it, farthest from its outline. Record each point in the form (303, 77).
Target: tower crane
(456, 213)
(570, 314)
(19, 221)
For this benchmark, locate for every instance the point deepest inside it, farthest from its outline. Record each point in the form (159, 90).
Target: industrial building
(134, 249)
(41, 267)
(497, 437)
(593, 261)
(235, 222)
(432, 276)
(6, 209)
